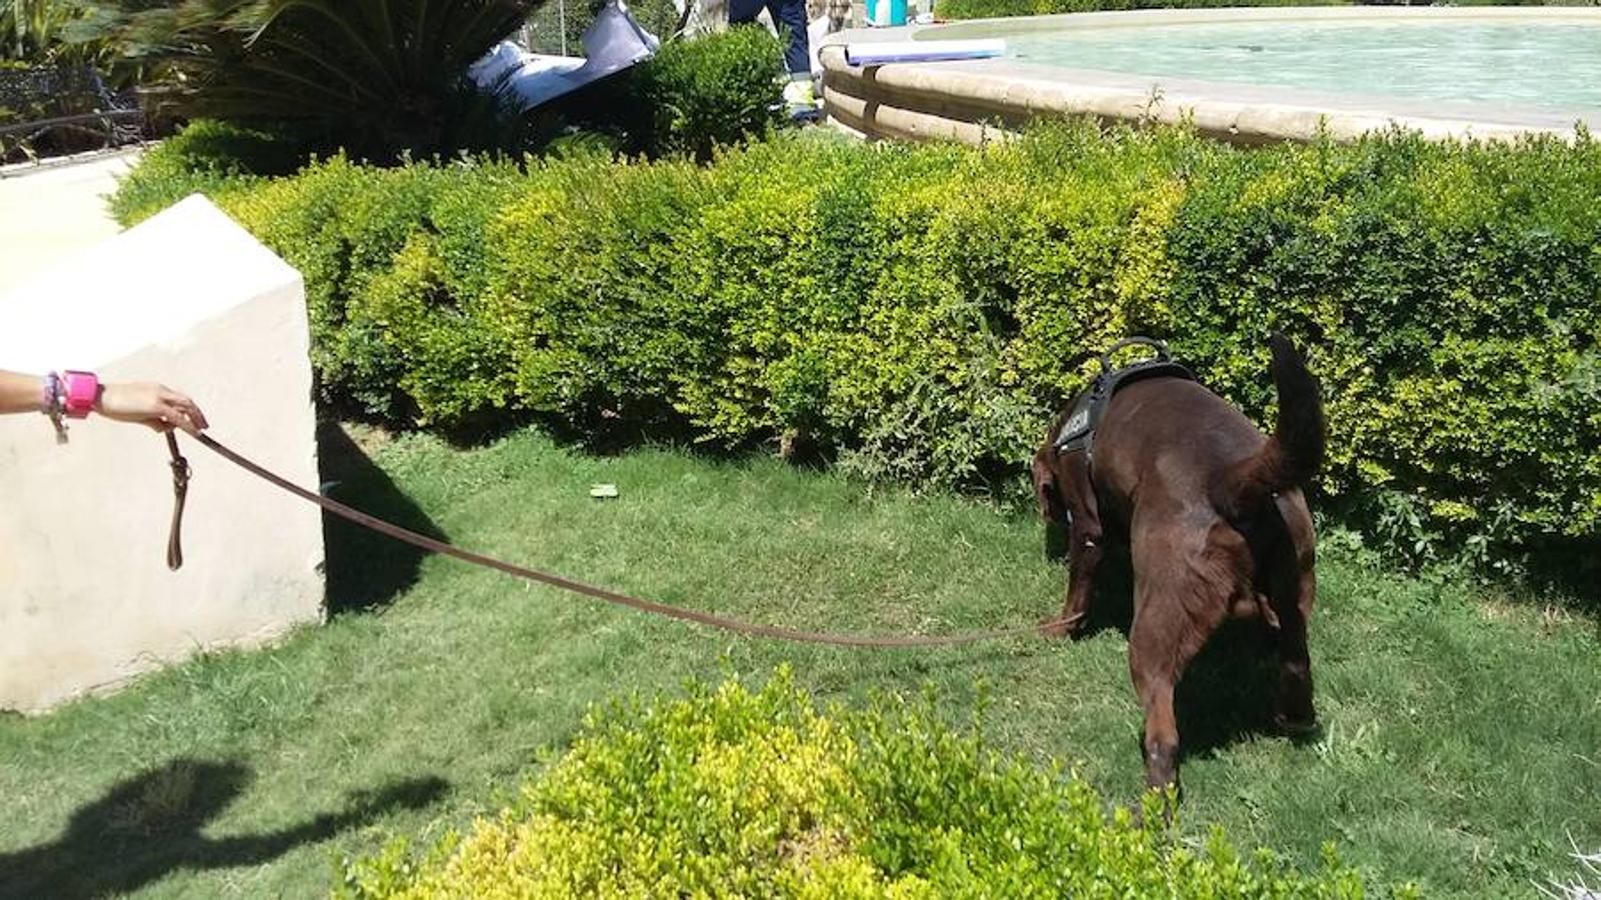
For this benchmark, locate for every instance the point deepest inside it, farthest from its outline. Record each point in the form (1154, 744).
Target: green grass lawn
(1461, 742)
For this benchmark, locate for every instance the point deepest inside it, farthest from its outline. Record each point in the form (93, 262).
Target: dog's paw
(1295, 726)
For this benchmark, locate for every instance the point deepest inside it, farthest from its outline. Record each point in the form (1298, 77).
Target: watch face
(81, 391)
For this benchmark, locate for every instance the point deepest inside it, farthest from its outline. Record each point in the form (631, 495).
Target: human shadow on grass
(152, 825)
(365, 569)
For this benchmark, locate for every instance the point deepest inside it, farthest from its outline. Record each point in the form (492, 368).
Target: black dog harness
(1078, 432)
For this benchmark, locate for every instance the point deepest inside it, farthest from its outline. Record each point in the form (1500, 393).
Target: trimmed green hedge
(734, 793)
(921, 310)
(206, 156)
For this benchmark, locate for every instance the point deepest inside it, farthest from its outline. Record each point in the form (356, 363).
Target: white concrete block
(190, 299)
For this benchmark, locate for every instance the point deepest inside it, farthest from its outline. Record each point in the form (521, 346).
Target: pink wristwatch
(79, 392)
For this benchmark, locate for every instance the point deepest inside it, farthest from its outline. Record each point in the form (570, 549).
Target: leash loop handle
(180, 494)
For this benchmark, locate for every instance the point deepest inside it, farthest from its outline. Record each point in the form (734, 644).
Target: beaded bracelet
(53, 404)
(52, 387)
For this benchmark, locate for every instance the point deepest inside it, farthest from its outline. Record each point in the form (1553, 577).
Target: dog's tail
(1295, 451)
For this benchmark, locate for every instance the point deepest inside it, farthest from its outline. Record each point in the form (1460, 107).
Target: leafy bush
(693, 96)
(207, 156)
(921, 310)
(738, 793)
(42, 33)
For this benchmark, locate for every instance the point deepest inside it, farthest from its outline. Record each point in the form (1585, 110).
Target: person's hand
(150, 404)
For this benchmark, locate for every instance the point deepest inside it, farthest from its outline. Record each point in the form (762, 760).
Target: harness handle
(1162, 353)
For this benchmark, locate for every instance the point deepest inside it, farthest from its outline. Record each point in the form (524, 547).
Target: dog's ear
(1046, 490)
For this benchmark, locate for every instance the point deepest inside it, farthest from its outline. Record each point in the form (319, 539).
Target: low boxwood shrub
(758, 793)
(918, 312)
(208, 156)
(394, 266)
(691, 97)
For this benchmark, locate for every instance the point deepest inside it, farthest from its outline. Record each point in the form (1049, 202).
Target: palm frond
(376, 77)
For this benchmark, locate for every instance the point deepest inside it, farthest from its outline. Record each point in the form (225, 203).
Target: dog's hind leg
(1293, 710)
(1294, 592)
(1161, 644)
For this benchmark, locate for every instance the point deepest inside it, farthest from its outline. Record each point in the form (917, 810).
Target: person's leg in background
(789, 16)
(742, 12)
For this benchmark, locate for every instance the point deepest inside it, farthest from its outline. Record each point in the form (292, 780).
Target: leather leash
(180, 473)
(180, 493)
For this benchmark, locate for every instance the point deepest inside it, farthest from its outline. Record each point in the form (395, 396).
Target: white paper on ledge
(877, 53)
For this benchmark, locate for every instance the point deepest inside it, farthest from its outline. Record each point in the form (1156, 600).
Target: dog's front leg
(1085, 547)
(1084, 556)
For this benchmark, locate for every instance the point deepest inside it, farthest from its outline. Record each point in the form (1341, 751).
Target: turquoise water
(1546, 66)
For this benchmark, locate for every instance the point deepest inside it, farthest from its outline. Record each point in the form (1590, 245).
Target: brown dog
(1213, 514)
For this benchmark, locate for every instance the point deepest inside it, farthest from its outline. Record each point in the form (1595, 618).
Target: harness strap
(1078, 429)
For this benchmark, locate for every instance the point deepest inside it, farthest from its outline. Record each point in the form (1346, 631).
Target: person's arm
(142, 403)
(20, 393)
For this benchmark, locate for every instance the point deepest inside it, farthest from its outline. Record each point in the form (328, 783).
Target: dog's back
(1170, 443)
(1203, 450)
